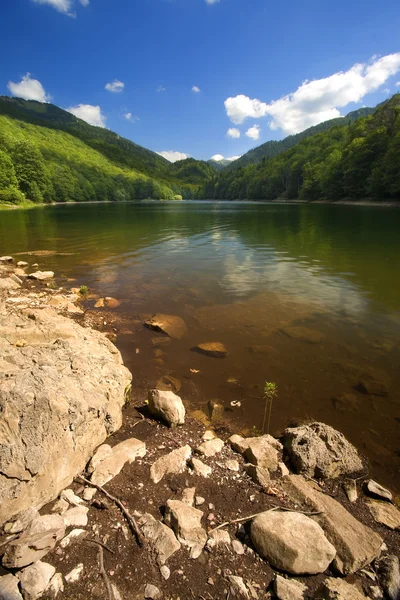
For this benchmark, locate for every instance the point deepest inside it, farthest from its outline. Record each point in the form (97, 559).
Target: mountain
(274, 148)
(356, 160)
(48, 154)
(219, 164)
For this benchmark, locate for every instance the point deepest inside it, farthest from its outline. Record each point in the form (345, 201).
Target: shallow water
(242, 274)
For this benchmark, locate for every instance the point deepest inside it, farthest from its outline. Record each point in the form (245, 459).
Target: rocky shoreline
(167, 507)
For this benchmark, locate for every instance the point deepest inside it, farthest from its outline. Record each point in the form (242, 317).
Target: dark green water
(242, 273)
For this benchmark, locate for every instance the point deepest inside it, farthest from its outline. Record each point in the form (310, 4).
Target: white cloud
(212, 1)
(397, 83)
(84, 2)
(172, 155)
(254, 132)
(219, 157)
(386, 91)
(90, 114)
(318, 100)
(115, 86)
(63, 6)
(29, 89)
(196, 89)
(129, 117)
(161, 88)
(233, 132)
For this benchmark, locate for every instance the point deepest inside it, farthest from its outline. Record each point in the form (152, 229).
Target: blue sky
(263, 69)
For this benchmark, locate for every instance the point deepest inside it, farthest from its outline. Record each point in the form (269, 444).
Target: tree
(30, 170)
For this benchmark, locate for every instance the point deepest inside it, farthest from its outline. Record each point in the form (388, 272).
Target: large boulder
(292, 542)
(356, 544)
(167, 406)
(61, 396)
(318, 450)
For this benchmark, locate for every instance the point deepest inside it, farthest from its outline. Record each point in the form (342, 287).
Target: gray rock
(167, 406)
(186, 523)
(61, 395)
(378, 491)
(350, 487)
(124, 452)
(214, 349)
(318, 450)
(45, 523)
(292, 542)
(258, 475)
(356, 544)
(210, 447)
(152, 592)
(237, 587)
(41, 275)
(338, 589)
(171, 325)
(76, 517)
(104, 451)
(172, 463)
(389, 576)
(288, 589)
(200, 468)
(6, 259)
(35, 580)
(89, 494)
(237, 547)
(9, 588)
(163, 538)
(385, 513)
(220, 537)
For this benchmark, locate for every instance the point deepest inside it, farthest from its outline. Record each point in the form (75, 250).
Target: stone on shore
(163, 538)
(356, 544)
(260, 451)
(258, 475)
(217, 538)
(111, 302)
(385, 513)
(389, 576)
(171, 325)
(61, 395)
(378, 491)
(338, 589)
(122, 453)
(186, 523)
(292, 542)
(9, 588)
(6, 259)
(35, 580)
(29, 548)
(289, 589)
(21, 521)
(41, 275)
(170, 464)
(350, 487)
(237, 586)
(318, 450)
(152, 592)
(214, 349)
(200, 468)
(22, 264)
(76, 517)
(8, 284)
(167, 406)
(210, 447)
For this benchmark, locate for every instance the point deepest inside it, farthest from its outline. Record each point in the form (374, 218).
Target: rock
(104, 451)
(283, 469)
(73, 309)
(220, 537)
(378, 491)
(60, 507)
(163, 538)
(214, 349)
(199, 500)
(76, 517)
(188, 496)
(56, 586)
(385, 513)
(258, 475)
(237, 586)
(208, 435)
(372, 387)
(22, 264)
(152, 592)
(61, 395)
(292, 542)
(45, 523)
(171, 325)
(338, 589)
(200, 468)
(167, 383)
(9, 588)
(172, 463)
(186, 523)
(356, 544)
(41, 275)
(20, 273)
(167, 406)
(237, 547)
(89, 494)
(6, 259)
(165, 572)
(318, 450)
(262, 454)
(15, 278)
(346, 403)
(111, 302)
(288, 589)
(160, 341)
(215, 411)
(389, 576)
(211, 447)
(8, 284)
(232, 465)
(99, 303)
(302, 334)
(21, 521)
(350, 487)
(74, 575)
(70, 497)
(35, 580)
(75, 533)
(122, 453)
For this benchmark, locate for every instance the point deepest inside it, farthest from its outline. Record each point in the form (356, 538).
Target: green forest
(47, 155)
(355, 161)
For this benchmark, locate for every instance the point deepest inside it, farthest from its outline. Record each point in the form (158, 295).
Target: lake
(306, 296)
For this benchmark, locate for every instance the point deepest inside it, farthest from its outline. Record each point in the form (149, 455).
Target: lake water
(248, 275)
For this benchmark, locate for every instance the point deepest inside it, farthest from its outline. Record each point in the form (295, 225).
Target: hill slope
(358, 160)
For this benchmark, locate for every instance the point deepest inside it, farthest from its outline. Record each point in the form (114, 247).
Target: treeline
(360, 160)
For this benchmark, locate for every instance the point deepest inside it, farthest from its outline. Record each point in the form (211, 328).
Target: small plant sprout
(83, 290)
(270, 392)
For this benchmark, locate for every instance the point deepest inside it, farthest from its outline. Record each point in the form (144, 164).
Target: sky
(201, 78)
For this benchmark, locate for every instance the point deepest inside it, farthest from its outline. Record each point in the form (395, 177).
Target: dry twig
(104, 575)
(99, 544)
(131, 520)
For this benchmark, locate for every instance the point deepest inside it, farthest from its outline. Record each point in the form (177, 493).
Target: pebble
(75, 574)
(152, 592)
(237, 547)
(165, 572)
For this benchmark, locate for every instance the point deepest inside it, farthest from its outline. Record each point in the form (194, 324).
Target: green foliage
(11, 195)
(270, 392)
(83, 290)
(358, 160)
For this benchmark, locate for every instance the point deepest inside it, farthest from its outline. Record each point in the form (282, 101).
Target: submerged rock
(292, 542)
(167, 406)
(215, 349)
(373, 387)
(302, 334)
(171, 325)
(318, 450)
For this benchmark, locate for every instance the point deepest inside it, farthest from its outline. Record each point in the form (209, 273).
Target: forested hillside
(359, 160)
(47, 154)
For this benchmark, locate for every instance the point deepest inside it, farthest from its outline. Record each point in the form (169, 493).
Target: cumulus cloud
(173, 156)
(28, 89)
(219, 157)
(318, 100)
(90, 114)
(254, 132)
(115, 86)
(129, 117)
(196, 89)
(233, 132)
